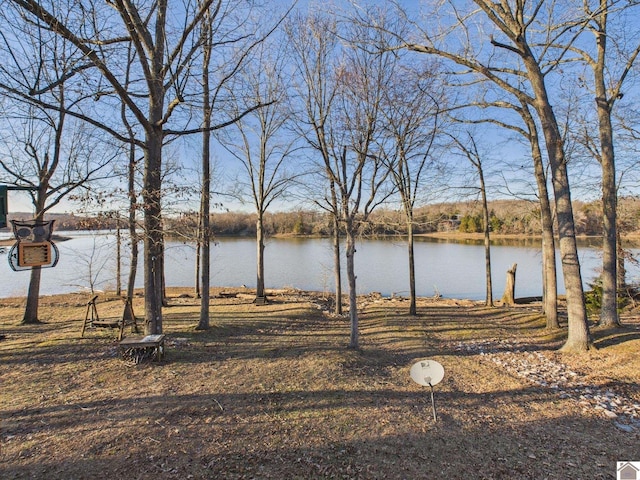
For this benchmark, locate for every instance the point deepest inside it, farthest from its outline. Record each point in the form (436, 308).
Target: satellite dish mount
(428, 373)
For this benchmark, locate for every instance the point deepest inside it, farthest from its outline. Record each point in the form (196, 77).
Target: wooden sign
(34, 254)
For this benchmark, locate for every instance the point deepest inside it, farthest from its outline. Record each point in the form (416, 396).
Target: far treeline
(507, 217)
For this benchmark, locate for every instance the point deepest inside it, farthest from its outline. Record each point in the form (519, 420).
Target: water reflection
(521, 241)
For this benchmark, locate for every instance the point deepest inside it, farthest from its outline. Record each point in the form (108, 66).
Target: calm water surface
(454, 270)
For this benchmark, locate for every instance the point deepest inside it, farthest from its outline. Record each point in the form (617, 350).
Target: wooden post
(508, 297)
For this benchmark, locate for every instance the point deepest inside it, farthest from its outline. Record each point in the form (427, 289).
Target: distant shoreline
(10, 241)
(633, 238)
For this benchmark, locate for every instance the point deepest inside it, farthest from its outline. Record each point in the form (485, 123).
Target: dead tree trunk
(508, 297)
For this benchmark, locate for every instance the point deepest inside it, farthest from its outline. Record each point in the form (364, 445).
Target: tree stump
(508, 297)
(261, 300)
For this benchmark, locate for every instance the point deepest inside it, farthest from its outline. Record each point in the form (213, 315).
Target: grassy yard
(273, 392)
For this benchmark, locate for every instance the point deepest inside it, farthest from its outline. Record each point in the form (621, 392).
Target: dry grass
(273, 392)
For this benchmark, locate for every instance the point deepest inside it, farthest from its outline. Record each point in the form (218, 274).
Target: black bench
(139, 348)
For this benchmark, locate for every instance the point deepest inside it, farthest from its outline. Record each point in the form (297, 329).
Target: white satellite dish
(427, 373)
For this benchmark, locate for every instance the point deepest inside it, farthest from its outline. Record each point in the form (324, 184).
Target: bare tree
(167, 42)
(411, 125)
(609, 73)
(355, 168)
(261, 142)
(204, 228)
(517, 66)
(51, 155)
(314, 46)
(342, 87)
(51, 168)
(529, 131)
(469, 148)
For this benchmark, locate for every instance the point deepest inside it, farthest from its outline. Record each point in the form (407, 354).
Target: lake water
(454, 270)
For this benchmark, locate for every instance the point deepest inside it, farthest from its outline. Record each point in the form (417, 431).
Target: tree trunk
(152, 178)
(549, 278)
(196, 287)
(609, 310)
(153, 294)
(205, 264)
(133, 234)
(204, 236)
(163, 278)
(622, 270)
(260, 257)
(412, 270)
(337, 267)
(133, 268)
(132, 214)
(549, 274)
(487, 263)
(487, 239)
(33, 295)
(205, 269)
(578, 338)
(33, 298)
(509, 295)
(205, 272)
(198, 259)
(354, 341)
(118, 258)
(337, 264)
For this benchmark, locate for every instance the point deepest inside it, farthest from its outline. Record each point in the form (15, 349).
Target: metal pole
(433, 404)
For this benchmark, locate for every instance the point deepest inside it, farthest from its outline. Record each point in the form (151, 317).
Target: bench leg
(86, 319)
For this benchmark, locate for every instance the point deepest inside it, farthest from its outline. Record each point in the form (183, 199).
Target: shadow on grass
(276, 394)
(442, 328)
(304, 434)
(289, 331)
(608, 337)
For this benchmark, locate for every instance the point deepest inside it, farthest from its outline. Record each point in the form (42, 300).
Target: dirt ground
(272, 392)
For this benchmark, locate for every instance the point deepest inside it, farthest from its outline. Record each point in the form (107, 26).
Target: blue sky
(499, 143)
